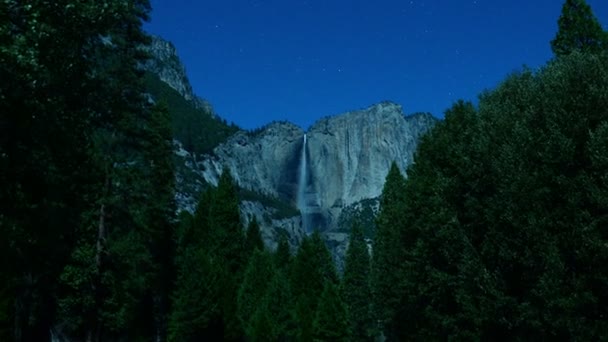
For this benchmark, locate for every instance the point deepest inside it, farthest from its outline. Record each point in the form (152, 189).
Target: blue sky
(298, 60)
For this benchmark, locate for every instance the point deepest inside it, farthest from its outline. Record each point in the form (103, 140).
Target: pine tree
(195, 308)
(56, 102)
(227, 244)
(356, 286)
(311, 268)
(282, 255)
(503, 210)
(387, 261)
(579, 30)
(43, 157)
(225, 227)
(160, 215)
(331, 317)
(127, 173)
(253, 288)
(442, 230)
(278, 306)
(253, 239)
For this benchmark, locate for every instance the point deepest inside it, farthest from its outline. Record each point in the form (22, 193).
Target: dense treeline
(497, 234)
(86, 174)
(229, 285)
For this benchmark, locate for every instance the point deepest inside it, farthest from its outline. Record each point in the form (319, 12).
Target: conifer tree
(253, 239)
(43, 157)
(331, 318)
(253, 288)
(282, 255)
(62, 94)
(503, 210)
(227, 242)
(579, 30)
(160, 214)
(278, 305)
(195, 308)
(311, 268)
(356, 286)
(117, 235)
(387, 261)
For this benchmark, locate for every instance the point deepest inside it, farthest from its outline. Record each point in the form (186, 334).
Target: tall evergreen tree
(503, 210)
(130, 170)
(225, 226)
(227, 242)
(356, 287)
(215, 233)
(160, 215)
(253, 288)
(579, 30)
(444, 223)
(63, 93)
(311, 268)
(278, 306)
(282, 255)
(195, 309)
(331, 317)
(43, 140)
(253, 239)
(387, 252)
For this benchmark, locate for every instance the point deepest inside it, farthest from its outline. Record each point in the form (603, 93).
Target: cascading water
(302, 183)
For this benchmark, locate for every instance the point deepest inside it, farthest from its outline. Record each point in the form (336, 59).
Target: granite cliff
(347, 159)
(165, 63)
(348, 155)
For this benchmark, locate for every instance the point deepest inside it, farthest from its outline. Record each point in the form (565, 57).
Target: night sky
(299, 60)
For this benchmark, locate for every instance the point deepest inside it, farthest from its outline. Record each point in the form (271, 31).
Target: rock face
(348, 155)
(266, 160)
(165, 63)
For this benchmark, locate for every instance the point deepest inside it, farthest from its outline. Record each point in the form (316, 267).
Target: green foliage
(502, 212)
(253, 239)
(579, 30)
(216, 233)
(43, 158)
(198, 130)
(282, 256)
(80, 138)
(356, 287)
(225, 228)
(278, 307)
(195, 309)
(253, 288)
(388, 253)
(311, 268)
(282, 209)
(363, 213)
(331, 318)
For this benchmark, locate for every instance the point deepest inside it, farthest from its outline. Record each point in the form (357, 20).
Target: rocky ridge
(165, 63)
(348, 155)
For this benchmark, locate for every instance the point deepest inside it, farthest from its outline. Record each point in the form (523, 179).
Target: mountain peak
(385, 106)
(166, 64)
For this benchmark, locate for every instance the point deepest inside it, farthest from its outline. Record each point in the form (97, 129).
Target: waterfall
(302, 183)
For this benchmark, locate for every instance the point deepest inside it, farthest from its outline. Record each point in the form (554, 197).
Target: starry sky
(299, 60)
